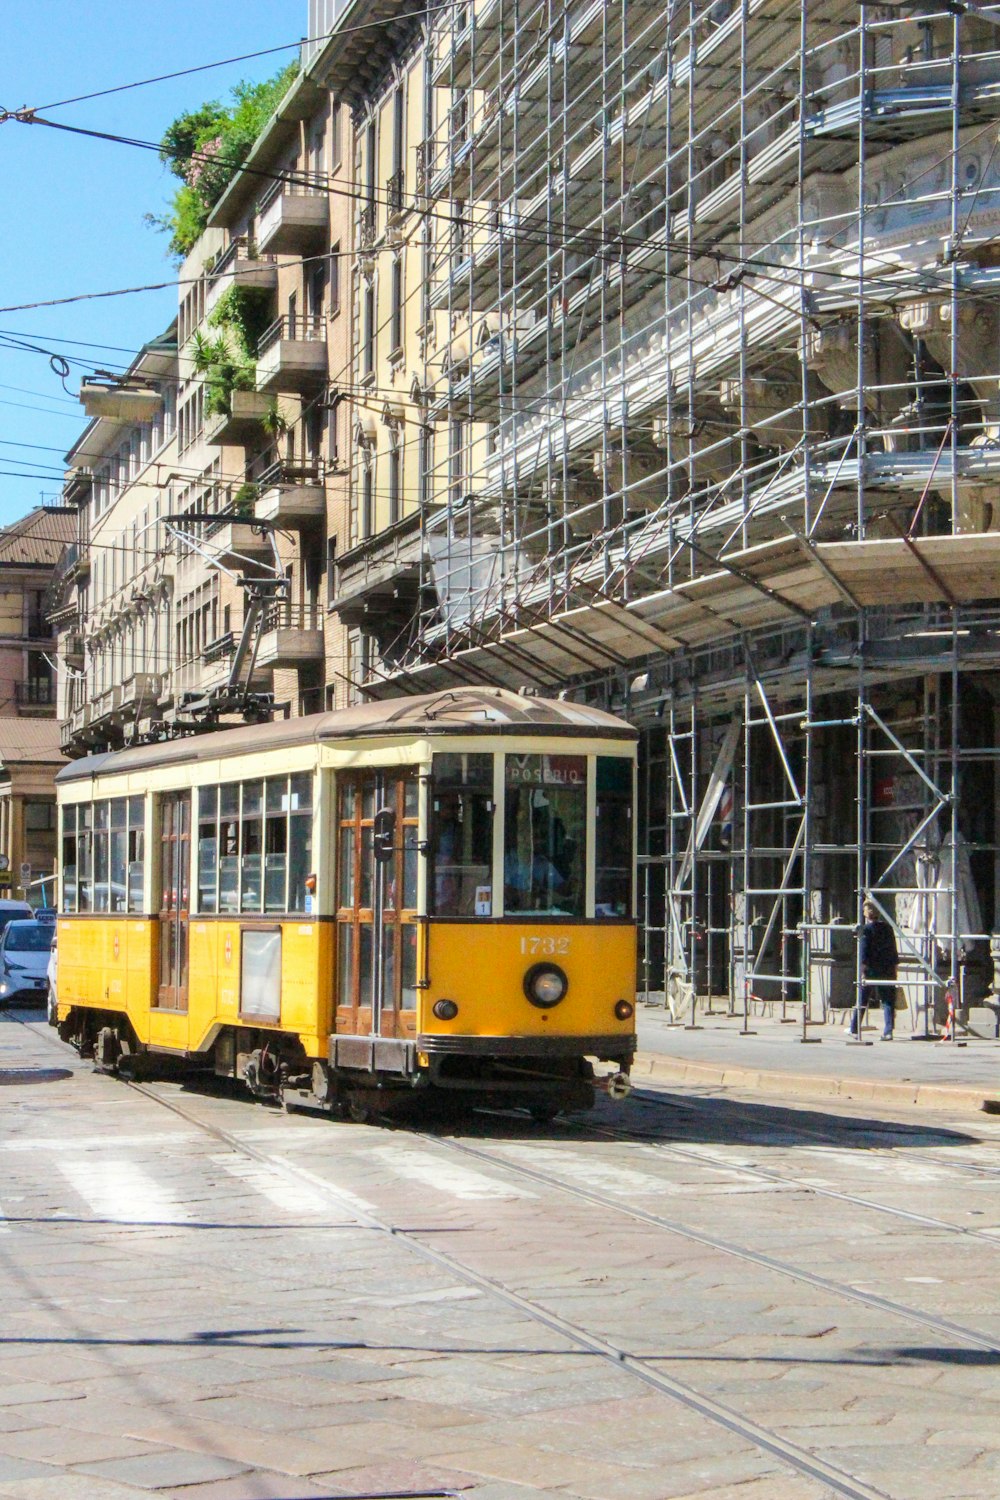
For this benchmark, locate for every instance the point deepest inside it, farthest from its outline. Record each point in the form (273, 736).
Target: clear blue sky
(72, 208)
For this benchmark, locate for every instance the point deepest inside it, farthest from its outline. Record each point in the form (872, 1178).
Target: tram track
(804, 1185)
(871, 1300)
(793, 1457)
(799, 1459)
(804, 1133)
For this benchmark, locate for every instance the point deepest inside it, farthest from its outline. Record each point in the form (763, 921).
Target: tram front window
(545, 835)
(613, 838)
(462, 836)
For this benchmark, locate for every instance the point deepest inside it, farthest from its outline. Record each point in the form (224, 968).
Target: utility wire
(224, 62)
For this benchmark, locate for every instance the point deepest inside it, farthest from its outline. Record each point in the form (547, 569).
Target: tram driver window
(462, 836)
(545, 835)
(613, 838)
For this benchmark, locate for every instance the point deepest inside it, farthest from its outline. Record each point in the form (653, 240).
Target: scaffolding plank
(884, 569)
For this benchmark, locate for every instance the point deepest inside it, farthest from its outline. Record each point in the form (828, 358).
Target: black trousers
(877, 994)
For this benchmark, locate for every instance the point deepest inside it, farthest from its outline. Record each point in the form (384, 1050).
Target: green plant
(273, 422)
(206, 147)
(245, 313)
(228, 361)
(244, 500)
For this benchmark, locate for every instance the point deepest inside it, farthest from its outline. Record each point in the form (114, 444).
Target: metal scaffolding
(713, 384)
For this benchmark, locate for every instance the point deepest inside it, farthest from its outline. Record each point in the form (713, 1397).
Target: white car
(24, 962)
(50, 975)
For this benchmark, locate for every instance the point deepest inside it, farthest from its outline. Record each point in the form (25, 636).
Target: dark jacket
(879, 959)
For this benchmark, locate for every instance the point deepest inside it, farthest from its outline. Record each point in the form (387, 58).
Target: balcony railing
(293, 614)
(37, 692)
(303, 328)
(366, 226)
(284, 472)
(394, 194)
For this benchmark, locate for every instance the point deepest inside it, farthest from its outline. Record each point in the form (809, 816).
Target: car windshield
(28, 937)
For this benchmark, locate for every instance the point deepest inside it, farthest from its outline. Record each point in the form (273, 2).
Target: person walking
(879, 961)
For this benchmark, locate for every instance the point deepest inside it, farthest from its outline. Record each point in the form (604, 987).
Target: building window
(369, 328)
(396, 323)
(367, 519)
(335, 280)
(317, 289)
(39, 817)
(394, 477)
(426, 464)
(336, 149)
(331, 569)
(456, 454)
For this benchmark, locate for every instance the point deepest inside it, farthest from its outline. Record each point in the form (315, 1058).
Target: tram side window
(102, 856)
(255, 845)
(545, 834)
(460, 876)
(229, 848)
(119, 853)
(70, 866)
(208, 849)
(136, 843)
(613, 838)
(101, 895)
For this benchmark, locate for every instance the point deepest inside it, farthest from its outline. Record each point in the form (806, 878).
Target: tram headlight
(624, 1010)
(545, 985)
(445, 1010)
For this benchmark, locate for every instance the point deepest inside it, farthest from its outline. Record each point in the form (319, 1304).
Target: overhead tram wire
(580, 236)
(224, 62)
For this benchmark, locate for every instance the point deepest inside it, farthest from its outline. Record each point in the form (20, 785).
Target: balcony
(240, 265)
(292, 355)
(291, 496)
(105, 706)
(74, 647)
(394, 197)
(237, 543)
(293, 221)
(241, 423)
(35, 698)
(140, 693)
(76, 563)
(292, 636)
(366, 227)
(378, 580)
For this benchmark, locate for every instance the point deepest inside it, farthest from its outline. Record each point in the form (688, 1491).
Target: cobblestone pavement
(674, 1297)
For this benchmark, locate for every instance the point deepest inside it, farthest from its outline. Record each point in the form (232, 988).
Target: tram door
(376, 917)
(175, 901)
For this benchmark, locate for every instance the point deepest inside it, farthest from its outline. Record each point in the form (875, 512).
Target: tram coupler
(615, 1085)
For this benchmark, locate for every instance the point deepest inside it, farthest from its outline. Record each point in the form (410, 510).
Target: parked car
(24, 961)
(14, 911)
(50, 976)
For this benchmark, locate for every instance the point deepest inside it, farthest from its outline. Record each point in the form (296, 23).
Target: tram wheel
(360, 1110)
(543, 1114)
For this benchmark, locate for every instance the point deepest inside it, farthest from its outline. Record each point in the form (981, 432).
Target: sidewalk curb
(814, 1085)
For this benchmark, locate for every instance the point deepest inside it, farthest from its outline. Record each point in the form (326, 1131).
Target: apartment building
(111, 599)
(717, 289)
(285, 228)
(29, 734)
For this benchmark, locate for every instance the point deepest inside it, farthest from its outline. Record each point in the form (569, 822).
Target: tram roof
(461, 710)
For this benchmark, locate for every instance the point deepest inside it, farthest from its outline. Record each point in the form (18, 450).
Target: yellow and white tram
(433, 891)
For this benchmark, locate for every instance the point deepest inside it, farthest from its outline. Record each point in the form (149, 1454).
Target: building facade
(648, 355)
(718, 287)
(29, 734)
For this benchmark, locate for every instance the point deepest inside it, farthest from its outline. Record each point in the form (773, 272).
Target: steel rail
(727, 1247)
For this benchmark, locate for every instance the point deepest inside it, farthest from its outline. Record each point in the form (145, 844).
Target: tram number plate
(538, 946)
